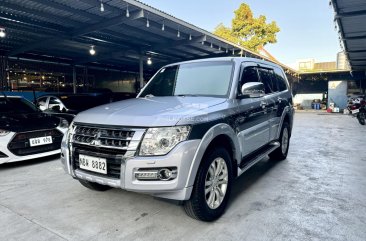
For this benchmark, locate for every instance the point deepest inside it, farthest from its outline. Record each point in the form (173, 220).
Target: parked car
(193, 129)
(68, 105)
(27, 133)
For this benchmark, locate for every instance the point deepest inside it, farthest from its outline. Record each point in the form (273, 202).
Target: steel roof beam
(172, 44)
(79, 31)
(350, 14)
(59, 6)
(37, 13)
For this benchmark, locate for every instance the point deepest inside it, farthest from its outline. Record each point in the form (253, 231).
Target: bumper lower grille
(20, 145)
(114, 159)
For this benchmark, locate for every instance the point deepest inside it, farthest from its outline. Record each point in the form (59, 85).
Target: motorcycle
(357, 108)
(361, 115)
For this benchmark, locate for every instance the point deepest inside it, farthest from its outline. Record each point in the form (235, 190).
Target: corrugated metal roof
(350, 17)
(67, 29)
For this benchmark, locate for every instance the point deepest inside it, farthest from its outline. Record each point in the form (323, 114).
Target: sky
(307, 27)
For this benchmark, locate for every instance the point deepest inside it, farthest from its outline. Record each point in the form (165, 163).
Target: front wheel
(212, 187)
(361, 118)
(281, 152)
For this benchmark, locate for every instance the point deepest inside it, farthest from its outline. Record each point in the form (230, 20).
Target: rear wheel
(281, 152)
(361, 118)
(212, 187)
(94, 186)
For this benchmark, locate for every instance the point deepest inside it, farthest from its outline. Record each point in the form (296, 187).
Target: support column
(74, 83)
(141, 72)
(3, 73)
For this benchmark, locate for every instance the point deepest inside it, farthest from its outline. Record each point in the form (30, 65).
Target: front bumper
(10, 157)
(181, 157)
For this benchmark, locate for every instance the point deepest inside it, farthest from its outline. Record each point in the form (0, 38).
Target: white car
(27, 133)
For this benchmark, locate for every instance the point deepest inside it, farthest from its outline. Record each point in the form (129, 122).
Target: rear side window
(267, 80)
(280, 79)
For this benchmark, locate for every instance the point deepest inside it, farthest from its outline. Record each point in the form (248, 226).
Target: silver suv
(193, 129)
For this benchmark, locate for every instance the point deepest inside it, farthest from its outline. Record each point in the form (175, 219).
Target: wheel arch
(220, 134)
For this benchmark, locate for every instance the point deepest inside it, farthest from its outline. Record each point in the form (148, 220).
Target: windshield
(192, 79)
(82, 102)
(16, 105)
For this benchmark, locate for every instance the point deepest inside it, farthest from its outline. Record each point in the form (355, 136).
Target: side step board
(255, 157)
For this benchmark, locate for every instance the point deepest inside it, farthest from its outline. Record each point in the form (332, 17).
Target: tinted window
(266, 79)
(250, 74)
(163, 83)
(204, 78)
(281, 82)
(16, 105)
(54, 101)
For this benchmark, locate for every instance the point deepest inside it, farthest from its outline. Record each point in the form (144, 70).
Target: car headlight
(159, 141)
(4, 132)
(63, 123)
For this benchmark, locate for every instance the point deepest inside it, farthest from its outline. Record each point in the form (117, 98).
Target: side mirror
(252, 90)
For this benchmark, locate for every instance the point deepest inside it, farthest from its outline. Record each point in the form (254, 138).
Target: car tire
(361, 118)
(281, 152)
(212, 185)
(94, 186)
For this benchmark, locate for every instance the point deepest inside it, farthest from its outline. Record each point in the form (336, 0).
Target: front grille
(116, 138)
(114, 159)
(111, 143)
(20, 145)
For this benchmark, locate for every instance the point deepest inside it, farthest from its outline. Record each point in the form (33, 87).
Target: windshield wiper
(149, 96)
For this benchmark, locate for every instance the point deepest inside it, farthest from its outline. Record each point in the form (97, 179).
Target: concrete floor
(318, 193)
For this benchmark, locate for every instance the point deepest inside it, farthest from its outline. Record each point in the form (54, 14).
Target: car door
(252, 121)
(267, 77)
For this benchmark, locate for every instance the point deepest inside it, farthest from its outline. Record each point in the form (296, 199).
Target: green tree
(248, 31)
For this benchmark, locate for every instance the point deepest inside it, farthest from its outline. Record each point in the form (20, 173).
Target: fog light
(146, 174)
(165, 174)
(162, 174)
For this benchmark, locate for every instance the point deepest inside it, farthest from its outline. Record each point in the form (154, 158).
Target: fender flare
(287, 111)
(212, 133)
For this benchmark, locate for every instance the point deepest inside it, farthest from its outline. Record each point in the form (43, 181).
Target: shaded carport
(124, 34)
(350, 18)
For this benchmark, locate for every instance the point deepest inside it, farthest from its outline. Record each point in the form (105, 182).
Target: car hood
(21, 122)
(147, 112)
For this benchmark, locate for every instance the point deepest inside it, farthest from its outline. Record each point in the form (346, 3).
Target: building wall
(337, 93)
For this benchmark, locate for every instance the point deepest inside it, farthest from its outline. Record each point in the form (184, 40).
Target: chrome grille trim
(107, 137)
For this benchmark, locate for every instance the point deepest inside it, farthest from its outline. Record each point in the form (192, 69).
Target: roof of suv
(237, 60)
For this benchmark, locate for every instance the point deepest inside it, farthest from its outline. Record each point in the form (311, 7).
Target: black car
(27, 133)
(68, 106)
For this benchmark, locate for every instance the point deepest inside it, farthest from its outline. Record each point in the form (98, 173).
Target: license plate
(355, 111)
(40, 141)
(94, 164)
